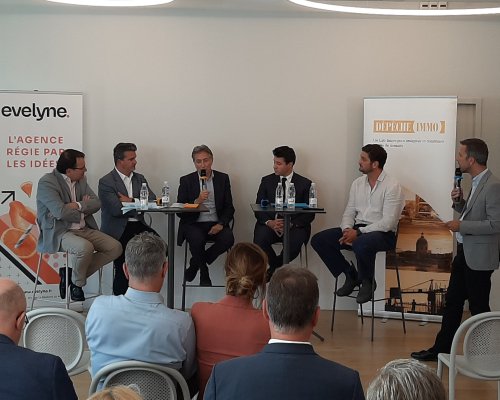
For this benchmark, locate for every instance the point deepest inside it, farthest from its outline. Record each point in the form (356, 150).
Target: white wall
(244, 85)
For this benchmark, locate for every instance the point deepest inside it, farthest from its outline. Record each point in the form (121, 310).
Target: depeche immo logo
(33, 111)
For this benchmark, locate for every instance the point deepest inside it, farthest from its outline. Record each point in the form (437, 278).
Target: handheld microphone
(203, 177)
(457, 184)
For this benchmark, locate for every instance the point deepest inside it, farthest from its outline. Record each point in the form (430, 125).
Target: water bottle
(144, 194)
(165, 195)
(313, 196)
(278, 200)
(291, 196)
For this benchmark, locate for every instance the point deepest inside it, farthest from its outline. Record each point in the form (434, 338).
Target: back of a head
(406, 379)
(476, 148)
(12, 305)
(292, 298)
(120, 392)
(145, 255)
(245, 269)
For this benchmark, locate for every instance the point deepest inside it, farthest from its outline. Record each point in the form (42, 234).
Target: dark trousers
(197, 236)
(120, 282)
(365, 247)
(465, 284)
(264, 237)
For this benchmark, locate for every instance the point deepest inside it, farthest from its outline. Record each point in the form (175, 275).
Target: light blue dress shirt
(139, 326)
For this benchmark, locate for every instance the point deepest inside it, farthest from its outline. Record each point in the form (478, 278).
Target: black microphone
(457, 184)
(203, 177)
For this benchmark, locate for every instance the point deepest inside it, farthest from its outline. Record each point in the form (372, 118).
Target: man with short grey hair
(288, 367)
(138, 325)
(212, 189)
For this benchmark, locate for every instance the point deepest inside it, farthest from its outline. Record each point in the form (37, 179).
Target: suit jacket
(113, 221)
(189, 190)
(283, 371)
(26, 374)
(480, 226)
(267, 190)
(53, 214)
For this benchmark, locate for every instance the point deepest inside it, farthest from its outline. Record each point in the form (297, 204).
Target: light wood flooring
(350, 344)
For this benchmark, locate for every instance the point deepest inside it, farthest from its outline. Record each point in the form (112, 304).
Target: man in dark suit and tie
(26, 374)
(269, 226)
(478, 245)
(287, 367)
(122, 185)
(212, 189)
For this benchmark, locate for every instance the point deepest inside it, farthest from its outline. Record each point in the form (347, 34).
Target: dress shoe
(76, 293)
(205, 277)
(62, 282)
(424, 355)
(366, 291)
(351, 281)
(269, 274)
(190, 273)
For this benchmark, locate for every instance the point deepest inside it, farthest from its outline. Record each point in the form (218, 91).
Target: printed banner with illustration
(419, 135)
(34, 128)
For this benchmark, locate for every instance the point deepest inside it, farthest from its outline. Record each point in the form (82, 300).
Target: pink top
(230, 328)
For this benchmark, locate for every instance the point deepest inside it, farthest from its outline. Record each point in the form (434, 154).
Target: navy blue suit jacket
(26, 374)
(189, 190)
(283, 371)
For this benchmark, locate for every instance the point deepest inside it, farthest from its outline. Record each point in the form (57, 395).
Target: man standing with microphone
(212, 189)
(478, 245)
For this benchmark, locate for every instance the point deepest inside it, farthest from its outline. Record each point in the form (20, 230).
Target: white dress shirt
(127, 181)
(75, 225)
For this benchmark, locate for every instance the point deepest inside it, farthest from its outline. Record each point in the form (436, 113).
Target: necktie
(283, 183)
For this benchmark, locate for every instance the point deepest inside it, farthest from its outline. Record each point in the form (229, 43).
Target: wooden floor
(350, 344)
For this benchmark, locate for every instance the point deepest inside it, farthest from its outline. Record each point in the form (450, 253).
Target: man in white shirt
(65, 207)
(287, 367)
(368, 226)
(122, 185)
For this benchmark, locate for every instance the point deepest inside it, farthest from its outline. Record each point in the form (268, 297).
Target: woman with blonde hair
(233, 327)
(119, 392)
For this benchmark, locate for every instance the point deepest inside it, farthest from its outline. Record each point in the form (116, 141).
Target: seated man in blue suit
(26, 374)
(287, 368)
(212, 189)
(122, 185)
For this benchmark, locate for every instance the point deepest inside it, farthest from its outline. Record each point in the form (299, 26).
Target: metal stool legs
(67, 301)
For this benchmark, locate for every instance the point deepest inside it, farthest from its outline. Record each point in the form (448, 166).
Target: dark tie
(283, 183)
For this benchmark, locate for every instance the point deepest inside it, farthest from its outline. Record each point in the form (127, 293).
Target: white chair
(60, 332)
(481, 351)
(155, 382)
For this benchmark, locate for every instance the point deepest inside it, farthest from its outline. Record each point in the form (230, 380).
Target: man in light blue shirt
(138, 325)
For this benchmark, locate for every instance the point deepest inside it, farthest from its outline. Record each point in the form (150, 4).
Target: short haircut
(292, 298)
(406, 379)
(477, 149)
(145, 255)
(121, 148)
(245, 269)
(286, 153)
(67, 160)
(199, 149)
(11, 298)
(376, 153)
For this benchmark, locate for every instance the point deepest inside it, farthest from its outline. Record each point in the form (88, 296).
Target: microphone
(203, 177)
(457, 184)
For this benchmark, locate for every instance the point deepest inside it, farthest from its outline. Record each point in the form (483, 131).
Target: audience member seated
(233, 327)
(138, 325)
(120, 392)
(26, 374)
(287, 367)
(406, 380)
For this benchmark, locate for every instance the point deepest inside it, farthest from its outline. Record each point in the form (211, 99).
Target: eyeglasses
(26, 320)
(82, 168)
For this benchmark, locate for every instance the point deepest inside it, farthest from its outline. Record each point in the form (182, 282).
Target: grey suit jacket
(113, 221)
(480, 226)
(53, 214)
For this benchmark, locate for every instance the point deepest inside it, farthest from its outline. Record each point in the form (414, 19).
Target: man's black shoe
(349, 285)
(76, 293)
(191, 272)
(205, 281)
(366, 291)
(424, 355)
(269, 274)
(62, 283)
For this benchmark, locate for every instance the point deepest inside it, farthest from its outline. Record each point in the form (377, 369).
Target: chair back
(482, 344)
(155, 382)
(56, 331)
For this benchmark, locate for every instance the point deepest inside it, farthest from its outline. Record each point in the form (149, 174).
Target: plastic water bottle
(278, 200)
(144, 194)
(165, 195)
(313, 196)
(291, 196)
